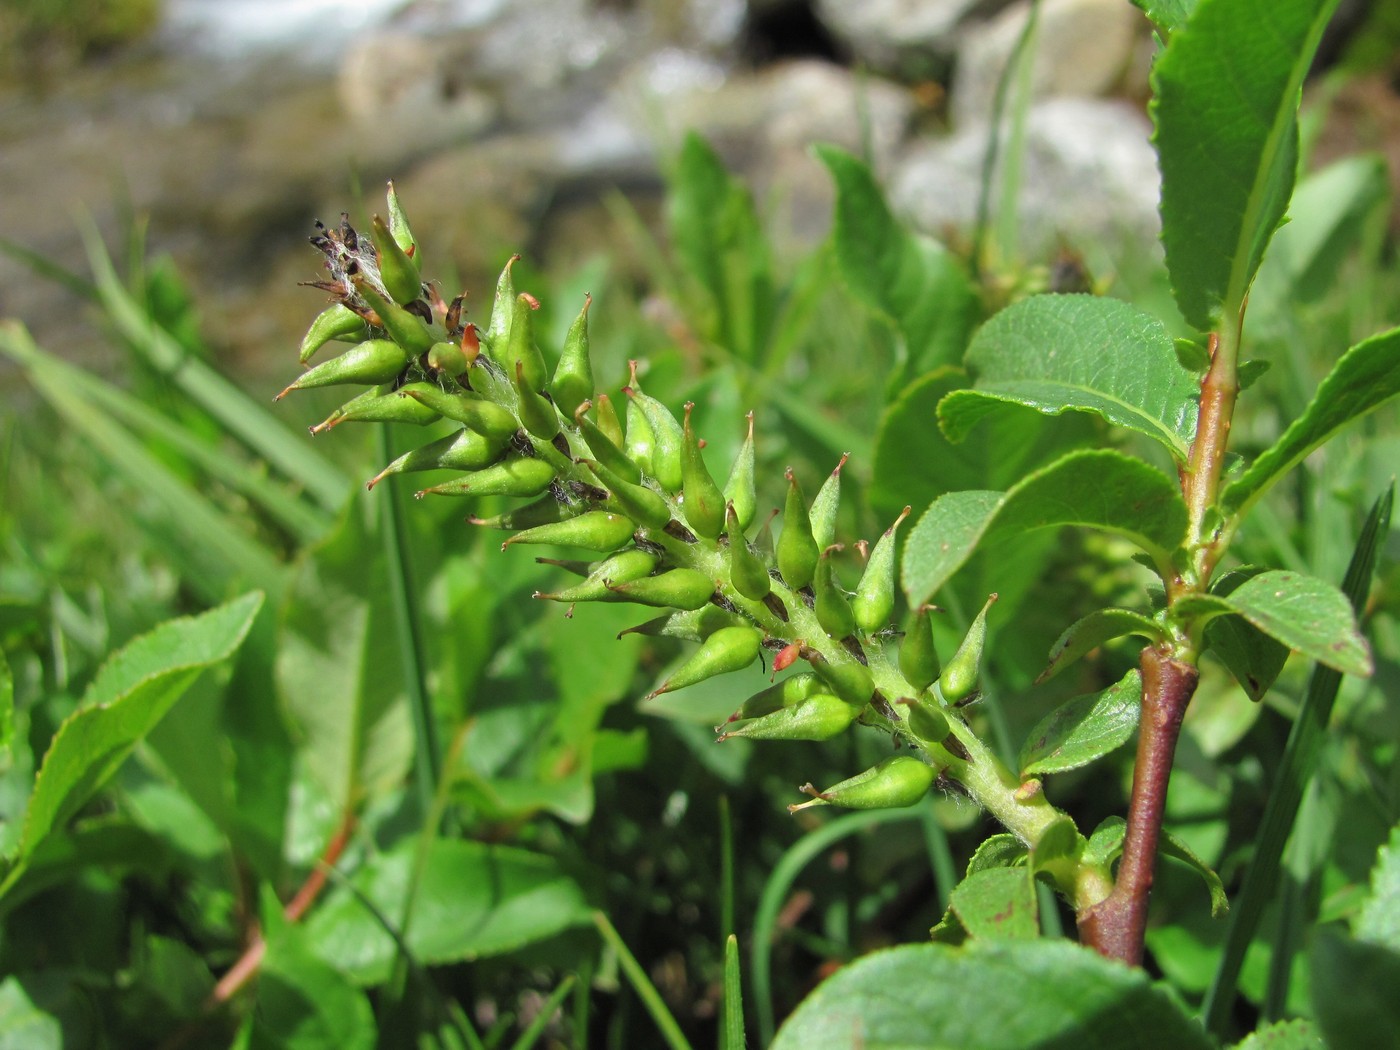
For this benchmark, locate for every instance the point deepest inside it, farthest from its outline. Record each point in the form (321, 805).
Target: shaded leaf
(1100, 488)
(997, 903)
(1353, 991)
(1088, 633)
(1172, 846)
(1084, 729)
(1225, 108)
(1106, 843)
(1284, 1035)
(995, 995)
(1303, 612)
(1379, 918)
(1079, 353)
(7, 707)
(1366, 376)
(1253, 657)
(305, 1003)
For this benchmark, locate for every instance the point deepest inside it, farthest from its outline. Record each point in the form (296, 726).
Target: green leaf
(1100, 488)
(997, 851)
(1365, 377)
(1088, 633)
(24, 1023)
(995, 995)
(339, 667)
(913, 282)
(305, 1003)
(1167, 15)
(1080, 353)
(472, 901)
(1254, 658)
(1175, 848)
(1379, 918)
(1225, 108)
(7, 708)
(1106, 843)
(1284, 1035)
(997, 903)
(733, 997)
(1303, 612)
(130, 694)
(1084, 729)
(1353, 991)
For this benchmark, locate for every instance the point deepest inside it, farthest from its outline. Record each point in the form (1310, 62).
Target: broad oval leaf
(1306, 614)
(472, 900)
(1084, 729)
(1366, 376)
(1099, 488)
(1088, 633)
(131, 693)
(997, 903)
(1252, 657)
(1079, 353)
(1225, 108)
(1167, 15)
(994, 995)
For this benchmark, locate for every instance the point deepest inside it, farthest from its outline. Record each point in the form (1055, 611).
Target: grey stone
(881, 32)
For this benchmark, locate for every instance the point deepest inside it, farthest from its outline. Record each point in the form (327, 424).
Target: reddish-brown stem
(1115, 926)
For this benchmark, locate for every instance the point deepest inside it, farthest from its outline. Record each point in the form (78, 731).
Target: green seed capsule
(689, 625)
(622, 567)
(789, 691)
(335, 322)
(379, 404)
(728, 649)
(747, 572)
(873, 604)
(520, 353)
(848, 679)
(676, 589)
(824, 507)
(918, 659)
(464, 450)
(485, 417)
(668, 440)
(447, 357)
(898, 781)
(514, 477)
(572, 383)
(502, 310)
(596, 530)
(641, 504)
(373, 361)
(398, 226)
(959, 677)
(832, 607)
(608, 422)
(396, 270)
(536, 411)
(819, 717)
(543, 511)
(604, 449)
(797, 550)
(704, 504)
(406, 329)
(740, 489)
(926, 722)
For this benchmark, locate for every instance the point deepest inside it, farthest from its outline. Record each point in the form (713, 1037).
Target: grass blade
(733, 997)
(641, 984)
(537, 1026)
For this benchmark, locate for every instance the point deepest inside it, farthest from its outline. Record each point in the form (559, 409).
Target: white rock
(877, 31)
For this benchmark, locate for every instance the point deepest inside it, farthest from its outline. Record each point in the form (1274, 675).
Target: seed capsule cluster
(632, 486)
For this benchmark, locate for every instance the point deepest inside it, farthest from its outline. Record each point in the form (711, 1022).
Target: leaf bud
(521, 356)
(543, 511)
(959, 677)
(789, 691)
(688, 625)
(398, 226)
(747, 572)
(638, 502)
(502, 310)
(918, 659)
(604, 449)
(373, 361)
(740, 489)
(476, 413)
(608, 422)
(928, 724)
(464, 450)
(572, 383)
(848, 678)
(536, 411)
(446, 356)
(335, 322)
(379, 404)
(797, 550)
(406, 329)
(898, 781)
(622, 567)
(514, 477)
(640, 442)
(832, 607)
(676, 589)
(704, 504)
(397, 272)
(873, 604)
(825, 506)
(728, 649)
(818, 717)
(668, 440)
(596, 530)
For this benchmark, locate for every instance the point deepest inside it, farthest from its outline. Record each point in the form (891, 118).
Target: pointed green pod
(873, 604)
(689, 625)
(379, 404)
(898, 781)
(638, 502)
(502, 310)
(447, 356)
(704, 503)
(520, 353)
(848, 678)
(485, 417)
(824, 507)
(622, 567)
(667, 440)
(514, 477)
(608, 422)
(926, 722)
(959, 677)
(406, 329)
(371, 362)
(832, 607)
(741, 489)
(572, 383)
(464, 450)
(747, 572)
(798, 552)
(336, 322)
(396, 270)
(818, 717)
(604, 449)
(398, 226)
(918, 659)
(596, 530)
(728, 649)
(543, 511)
(789, 691)
(675, 589)
(536, 411)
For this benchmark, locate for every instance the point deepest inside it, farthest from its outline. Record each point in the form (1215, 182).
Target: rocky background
(508, 124)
